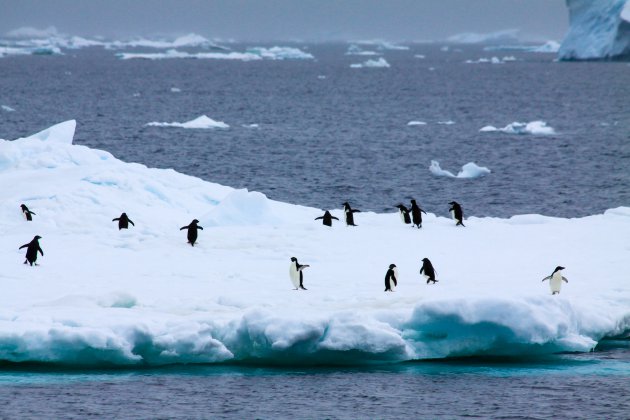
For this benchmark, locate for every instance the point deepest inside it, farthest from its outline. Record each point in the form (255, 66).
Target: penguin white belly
(402, 216)
(392, 284)
(453, 214)
(555, 283)
(294, 274)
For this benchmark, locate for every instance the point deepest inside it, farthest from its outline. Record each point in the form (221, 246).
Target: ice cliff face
(598, 30)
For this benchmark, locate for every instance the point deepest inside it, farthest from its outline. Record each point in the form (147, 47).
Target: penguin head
(326, 213)
(346, 204)
(195, 221)
(37, 237)
(293, 259)
(452, 203)
(558, 268)
(426, 260)
(23, 207)
(392, 266)
(413, 201)
(123, 215)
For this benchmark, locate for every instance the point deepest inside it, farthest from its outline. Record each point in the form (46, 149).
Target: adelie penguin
(327, 218)
(28, 215)
(391, 278)
(428, 271)
(404, 214)
(192, 231)
(123, 221)
(457, 213)
(416, 214)
(349, 211)
(296, 275)
(32, 248)
(555, 280)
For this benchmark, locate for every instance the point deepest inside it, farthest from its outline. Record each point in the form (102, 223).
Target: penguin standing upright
(192, 231)
(31, 250)
(123, 221)
(416, 214)
(555, 280)
(327, 218)
(295, 273)
(428, 270)
(457, 213)
(404, 214)
(26, 212)
(348, 211)
(391, 278)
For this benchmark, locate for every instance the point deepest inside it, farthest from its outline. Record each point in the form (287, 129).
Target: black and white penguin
(404, 214)
(555, 280)
(428, 271)
(327, 218)
(295, 273)
(416, 214)
(457, 213)
(192, 231)
(123, 221)
(26, 212)
(31, 250)
(349, 211)
(391, 278)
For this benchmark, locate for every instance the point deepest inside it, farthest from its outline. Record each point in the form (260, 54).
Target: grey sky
(317, 20)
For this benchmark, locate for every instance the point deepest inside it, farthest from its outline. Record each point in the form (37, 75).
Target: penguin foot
(303, 288)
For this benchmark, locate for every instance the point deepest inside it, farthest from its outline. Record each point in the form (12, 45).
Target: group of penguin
(295, 268)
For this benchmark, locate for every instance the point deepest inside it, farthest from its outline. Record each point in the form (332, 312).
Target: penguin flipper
(182, 228)
(199, 227)
(547, 278)
(23, 246)
(302, 267)
(118, 218)
(320, 217)
(132, 222)
(41, 251)
(565, 279)
(336, 218)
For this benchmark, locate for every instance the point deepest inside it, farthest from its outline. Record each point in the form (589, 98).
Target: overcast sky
(308, 20)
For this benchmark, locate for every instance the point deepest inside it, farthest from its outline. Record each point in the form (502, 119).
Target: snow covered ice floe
(532, 127)
(202, 122)
(380, 63)
(143, 296)
(469, 170)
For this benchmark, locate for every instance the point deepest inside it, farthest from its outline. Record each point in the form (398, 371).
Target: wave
(469, 170)
(532, 127)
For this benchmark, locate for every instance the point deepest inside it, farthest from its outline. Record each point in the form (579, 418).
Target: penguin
(457, 213)
(428, 271)
(555, 280)
(391, 278)
(295, 273)
(348, 211)
(404, 214)
(327, 218)
(123, 221)
(27, 213)
(416, 214)
(192, 231)
(31, 250)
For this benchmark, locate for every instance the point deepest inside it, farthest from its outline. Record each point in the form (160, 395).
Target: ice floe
(202, 122)
(532, 127)
(380, 63)
(469, 170)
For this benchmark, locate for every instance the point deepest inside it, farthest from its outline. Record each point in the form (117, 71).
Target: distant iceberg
(384, 45)
(356, 50)
(505, 35)
(598, 30)
(547, 47)
(203, 122)
(493, 60)
(412, 123)
(469, 170)
(533, 127)
(170, 54)
(380, 63)
(280, 53)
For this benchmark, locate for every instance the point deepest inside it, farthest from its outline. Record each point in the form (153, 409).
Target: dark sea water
(324, 140)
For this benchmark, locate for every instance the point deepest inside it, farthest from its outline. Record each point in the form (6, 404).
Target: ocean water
(328, 133)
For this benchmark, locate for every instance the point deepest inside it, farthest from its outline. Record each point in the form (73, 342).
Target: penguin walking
(391, 278)
(457, 213)
(555, 280)
(404, 214)
(295, 273)
(192, 231)
(28, 215)
(416, 214)
(123, 221)
(428, 271)
(349, 211)
(31, 250)
(327, 218)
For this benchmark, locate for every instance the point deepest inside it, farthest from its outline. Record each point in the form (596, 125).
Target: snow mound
(380, 63)
(533, 127)
(202, 122)
(469, 170)
(485, 38)
(597, 30)
(152, 299)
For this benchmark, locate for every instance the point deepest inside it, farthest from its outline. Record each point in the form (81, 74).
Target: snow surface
(597, 30)
(143, 296)
(203, 122)
(469, 170)
(532, 127)
(380, 63)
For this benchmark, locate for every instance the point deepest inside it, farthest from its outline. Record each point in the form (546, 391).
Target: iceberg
(384, 45)
(280, 53)
(144, 297)
(533, 127)
(356, 50)
(380, 63)
(505, 35)
(200, 122)
(597, 30)
(170, 54)
(469, 170)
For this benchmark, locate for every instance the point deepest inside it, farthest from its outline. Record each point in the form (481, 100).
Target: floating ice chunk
(175, 90)
(420, 56)
(533, 127)
(493, 60)
(280, 53)
(321, 77)
(171, 54)
(411, 123)
(445, 48)
(469, 170)
(251, 125)
(199, 122)
(356, 50)
(449, 122)
(7, 108)
(380, 63)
